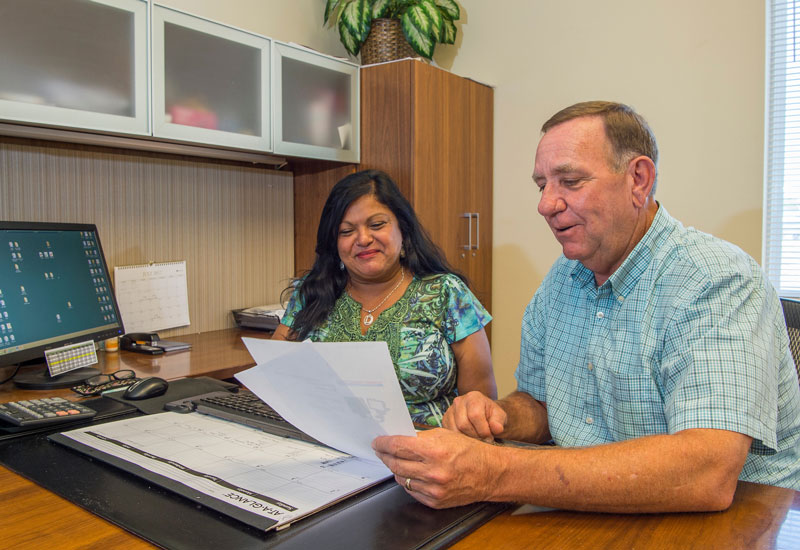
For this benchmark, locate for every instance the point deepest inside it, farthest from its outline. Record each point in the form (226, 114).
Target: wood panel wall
(313, 181)
(231, 222)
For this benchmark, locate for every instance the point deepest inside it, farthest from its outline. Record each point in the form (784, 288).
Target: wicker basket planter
(386, 42)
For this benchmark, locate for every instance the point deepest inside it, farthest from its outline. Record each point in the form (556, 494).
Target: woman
(378, 276)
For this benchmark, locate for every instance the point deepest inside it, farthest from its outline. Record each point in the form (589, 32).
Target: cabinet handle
(468, 215)
(477, 230)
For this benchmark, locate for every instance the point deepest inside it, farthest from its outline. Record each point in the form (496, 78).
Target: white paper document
(262, 479)
(343, 394)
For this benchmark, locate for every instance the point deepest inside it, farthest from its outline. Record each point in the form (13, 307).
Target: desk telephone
(150, 343)
(141, 342)
(261, 317)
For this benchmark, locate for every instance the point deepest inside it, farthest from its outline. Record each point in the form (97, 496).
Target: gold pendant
(368, 319)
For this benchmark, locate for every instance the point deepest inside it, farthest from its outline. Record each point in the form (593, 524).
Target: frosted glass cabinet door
(76, 63)
(210, 82)
(315, 105)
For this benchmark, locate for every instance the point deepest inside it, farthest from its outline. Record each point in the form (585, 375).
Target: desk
(761, 517)
(218, 354)
(36, 518)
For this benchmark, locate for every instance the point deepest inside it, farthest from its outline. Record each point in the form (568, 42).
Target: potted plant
(422, 23)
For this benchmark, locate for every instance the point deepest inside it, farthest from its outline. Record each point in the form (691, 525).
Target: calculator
(45, 411)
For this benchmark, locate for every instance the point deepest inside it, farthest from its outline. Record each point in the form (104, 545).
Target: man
(654, 356)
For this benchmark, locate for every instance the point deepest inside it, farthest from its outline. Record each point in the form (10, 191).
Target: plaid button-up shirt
(687, 333)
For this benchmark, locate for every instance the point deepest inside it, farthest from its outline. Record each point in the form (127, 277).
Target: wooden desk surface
(219, 354)
(761, 517)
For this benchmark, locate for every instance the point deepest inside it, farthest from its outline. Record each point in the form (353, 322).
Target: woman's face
(370, 241)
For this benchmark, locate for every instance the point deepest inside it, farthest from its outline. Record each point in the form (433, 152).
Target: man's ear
(642, 172)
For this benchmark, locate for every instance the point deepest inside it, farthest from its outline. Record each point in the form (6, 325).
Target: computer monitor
(54, 291)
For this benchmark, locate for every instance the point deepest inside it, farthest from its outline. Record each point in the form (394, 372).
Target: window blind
(782, 167)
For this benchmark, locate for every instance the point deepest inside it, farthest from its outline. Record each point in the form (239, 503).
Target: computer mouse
(146, 388)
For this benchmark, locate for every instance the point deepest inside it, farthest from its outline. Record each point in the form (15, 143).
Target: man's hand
(475, 415)
(438, 467)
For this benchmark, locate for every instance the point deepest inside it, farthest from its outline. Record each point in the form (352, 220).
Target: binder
(261, 479)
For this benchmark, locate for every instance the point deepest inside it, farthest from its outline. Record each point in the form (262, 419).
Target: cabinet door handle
(477, 230)
(468, 215)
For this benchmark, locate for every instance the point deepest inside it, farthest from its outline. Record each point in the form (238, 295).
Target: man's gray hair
(627, 131)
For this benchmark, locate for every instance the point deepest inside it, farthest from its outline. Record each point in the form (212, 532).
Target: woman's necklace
(368, 318)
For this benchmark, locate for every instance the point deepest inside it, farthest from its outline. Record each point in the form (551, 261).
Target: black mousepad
(177, 389)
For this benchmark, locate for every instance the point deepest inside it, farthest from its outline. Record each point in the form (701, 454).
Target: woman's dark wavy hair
(323, 284)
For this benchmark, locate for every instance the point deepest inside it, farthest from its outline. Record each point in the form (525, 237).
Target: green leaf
(356, 17)
(420, 39)
(449, 9)
(434, 16)
(379, 8)
(448, 32)
(351, 43)
(400, 7)
(366, 18)
(330, 7)
(418, 17)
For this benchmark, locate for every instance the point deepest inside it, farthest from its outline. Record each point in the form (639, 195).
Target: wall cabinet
(211, 82)
(75, 63)
(315, 102)
(432, 132)
(132, 68)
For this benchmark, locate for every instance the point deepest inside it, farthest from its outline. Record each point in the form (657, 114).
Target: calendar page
(152, 297)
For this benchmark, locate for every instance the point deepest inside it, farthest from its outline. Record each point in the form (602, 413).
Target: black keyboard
(243, 402)
(45, 411)
(243, 407)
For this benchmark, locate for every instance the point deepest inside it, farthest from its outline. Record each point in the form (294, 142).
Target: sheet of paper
(344, 393)
(276, 478)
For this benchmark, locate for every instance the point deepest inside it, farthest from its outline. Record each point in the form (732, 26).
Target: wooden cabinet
(431, 131)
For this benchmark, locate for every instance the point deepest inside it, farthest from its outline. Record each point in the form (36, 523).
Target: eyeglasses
(102, 382)
(102, 379)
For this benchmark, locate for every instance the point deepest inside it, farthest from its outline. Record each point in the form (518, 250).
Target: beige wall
(693, 68)
(298, 21)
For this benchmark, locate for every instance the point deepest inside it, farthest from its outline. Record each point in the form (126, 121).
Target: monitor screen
(54, 291)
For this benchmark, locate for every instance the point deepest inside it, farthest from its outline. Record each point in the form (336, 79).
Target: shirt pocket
(632, 400)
